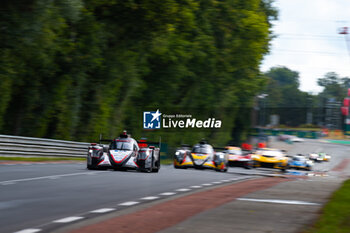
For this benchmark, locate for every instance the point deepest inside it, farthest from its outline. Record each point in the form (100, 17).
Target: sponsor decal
(152, 120)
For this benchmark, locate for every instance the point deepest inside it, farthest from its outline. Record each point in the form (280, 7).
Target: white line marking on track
(101, 211)
(182, 190)
(225, 180)
(196, 186)
(289, 202)
(29, 230)
(68, 219)
(7, 183)
(129, 203)
(216, 182)
(49, 177)
(206, 184)
(167, 194)
(149, 198)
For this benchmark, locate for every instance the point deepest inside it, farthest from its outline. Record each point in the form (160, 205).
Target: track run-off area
(65, 197)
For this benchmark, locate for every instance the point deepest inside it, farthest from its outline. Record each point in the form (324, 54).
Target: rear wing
(144, 143)
(219, 148)
(104, 140)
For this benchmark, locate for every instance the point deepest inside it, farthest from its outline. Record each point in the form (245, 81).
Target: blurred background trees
(72, 69)
(297, 108)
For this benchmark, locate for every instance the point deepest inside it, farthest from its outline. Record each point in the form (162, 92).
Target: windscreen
(201, 150)
(234, 151)
(121, 146)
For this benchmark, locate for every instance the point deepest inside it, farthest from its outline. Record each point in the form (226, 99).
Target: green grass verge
(335, 216)
(41, 159)
(166, 161)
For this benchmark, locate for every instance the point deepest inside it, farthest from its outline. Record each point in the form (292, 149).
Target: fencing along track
(29, 146)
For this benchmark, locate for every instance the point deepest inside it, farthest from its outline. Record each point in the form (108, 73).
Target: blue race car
(300, 162)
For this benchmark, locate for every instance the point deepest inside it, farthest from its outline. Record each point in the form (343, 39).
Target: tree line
(72, 69)
(292, 105)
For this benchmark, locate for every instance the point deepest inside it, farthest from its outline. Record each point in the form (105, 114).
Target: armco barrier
(28, 146)
(276, 132)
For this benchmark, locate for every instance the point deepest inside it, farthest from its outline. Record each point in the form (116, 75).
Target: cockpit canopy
(202, 149)
(121, 145)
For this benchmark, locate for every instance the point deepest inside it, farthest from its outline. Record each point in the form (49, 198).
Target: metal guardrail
(275, 132)
(29, 146)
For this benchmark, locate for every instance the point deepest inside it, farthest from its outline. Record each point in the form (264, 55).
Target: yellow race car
(202, 156)
(270, 158)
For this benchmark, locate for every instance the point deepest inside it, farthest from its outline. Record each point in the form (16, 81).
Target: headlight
(255, 157)
(90, 151)
(177, 153)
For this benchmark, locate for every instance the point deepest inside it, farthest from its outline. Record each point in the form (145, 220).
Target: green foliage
(285, 98)
(73, 69)
(334, 86)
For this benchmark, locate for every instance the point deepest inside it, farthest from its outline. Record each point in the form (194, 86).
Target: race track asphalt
(32, 196)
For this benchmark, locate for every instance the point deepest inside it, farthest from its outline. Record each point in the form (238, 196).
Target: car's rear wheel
(248, 165)
(150, 169)
(156, 170)
(222, 169)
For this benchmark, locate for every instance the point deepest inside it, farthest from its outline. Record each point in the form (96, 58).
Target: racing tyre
(156, 170)
(248, 165)
(90, 167)
(150, 169)
(221, 170)
(179, 167)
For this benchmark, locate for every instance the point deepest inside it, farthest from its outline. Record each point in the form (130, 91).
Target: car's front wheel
(248, 165)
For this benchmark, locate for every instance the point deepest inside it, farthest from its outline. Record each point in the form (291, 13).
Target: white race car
(319, 157)
(296, 139)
